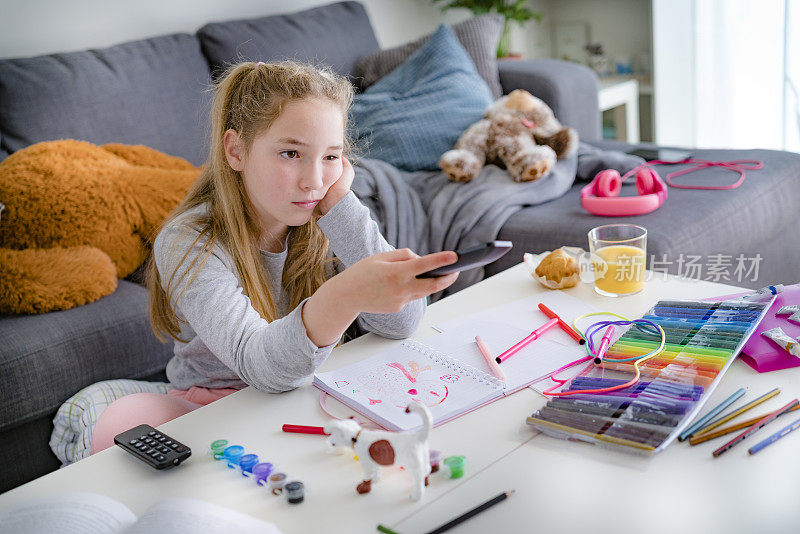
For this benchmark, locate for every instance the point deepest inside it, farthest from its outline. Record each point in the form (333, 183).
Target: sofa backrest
(150, 92)
(336, 35)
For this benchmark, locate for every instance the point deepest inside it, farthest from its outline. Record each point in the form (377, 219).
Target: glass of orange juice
(619, 257)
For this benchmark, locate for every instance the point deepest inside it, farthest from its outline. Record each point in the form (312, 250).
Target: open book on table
(91, 513)
(446, 373)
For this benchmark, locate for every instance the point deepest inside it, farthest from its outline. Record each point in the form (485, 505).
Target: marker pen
(604, 343)
(595, 424)
(686, 325)
(692, 391)
(562, 324)
(647, 417)
(663, 406)
(536, 334)
(684, 304)
(639, 348)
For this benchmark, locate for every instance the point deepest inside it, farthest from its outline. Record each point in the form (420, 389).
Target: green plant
(512, 10)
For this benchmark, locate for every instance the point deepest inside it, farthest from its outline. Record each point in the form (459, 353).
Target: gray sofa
(152, 92)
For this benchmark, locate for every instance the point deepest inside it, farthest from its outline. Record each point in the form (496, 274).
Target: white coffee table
(561, 486)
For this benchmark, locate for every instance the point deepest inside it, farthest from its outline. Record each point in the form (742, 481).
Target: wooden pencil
(724, 419)
(755, 428)
(701, 438)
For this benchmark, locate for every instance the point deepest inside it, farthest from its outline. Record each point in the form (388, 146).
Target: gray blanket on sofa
(426, 212)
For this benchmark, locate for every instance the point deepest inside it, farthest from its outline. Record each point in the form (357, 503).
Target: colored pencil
(562, 324)
(536, 334)
(774, 437)
(702, 438)
(755, 428)
(475, 511)
(497, 371)
(710, 415)
(302, 429)
(386, 530)
(724, 419)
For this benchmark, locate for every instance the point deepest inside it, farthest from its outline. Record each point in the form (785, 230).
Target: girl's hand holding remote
(339, 189)
(381, 283)
(385, 282)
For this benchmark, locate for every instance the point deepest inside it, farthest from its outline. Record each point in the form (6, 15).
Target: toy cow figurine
(376, 448)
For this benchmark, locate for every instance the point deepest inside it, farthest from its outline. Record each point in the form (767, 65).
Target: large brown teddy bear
(518, 132)
(77, 217)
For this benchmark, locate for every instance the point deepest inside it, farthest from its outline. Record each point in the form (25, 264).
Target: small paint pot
(261, 472)
(294, 492)
(232, 454)
(453, 466)
(216, 448)
(436, 460)
(276, 482)
(246, 464)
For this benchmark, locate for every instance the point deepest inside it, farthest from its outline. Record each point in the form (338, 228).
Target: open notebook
(446, 373)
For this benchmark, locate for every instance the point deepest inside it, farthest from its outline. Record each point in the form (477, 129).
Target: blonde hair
(248, 98)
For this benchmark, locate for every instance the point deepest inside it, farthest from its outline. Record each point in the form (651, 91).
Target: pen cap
(453, 466)
(232, 454)
(216, 448)
(246, 463)
(294, 491)
(261, 472)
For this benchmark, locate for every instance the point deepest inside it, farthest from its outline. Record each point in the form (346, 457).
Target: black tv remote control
(153, 447)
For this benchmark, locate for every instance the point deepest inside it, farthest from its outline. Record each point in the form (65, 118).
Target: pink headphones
(601, 196)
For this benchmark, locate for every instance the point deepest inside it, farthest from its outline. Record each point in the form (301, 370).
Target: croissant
(558, 270)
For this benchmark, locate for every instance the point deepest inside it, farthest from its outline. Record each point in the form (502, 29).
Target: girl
(270, 257)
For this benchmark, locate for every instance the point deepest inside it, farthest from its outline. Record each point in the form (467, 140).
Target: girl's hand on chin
(338, 190)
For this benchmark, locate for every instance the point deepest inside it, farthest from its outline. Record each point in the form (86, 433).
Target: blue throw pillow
(417, 112)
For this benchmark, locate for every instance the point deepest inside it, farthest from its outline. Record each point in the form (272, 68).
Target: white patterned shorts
(71, 439)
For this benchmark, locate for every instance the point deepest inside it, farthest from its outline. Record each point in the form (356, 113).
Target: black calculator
(153, 447)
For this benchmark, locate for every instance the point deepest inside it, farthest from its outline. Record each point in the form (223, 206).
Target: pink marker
(604, 343)
(536, 334)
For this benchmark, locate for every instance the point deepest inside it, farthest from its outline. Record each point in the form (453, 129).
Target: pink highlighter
(604, 343)
(536, 334)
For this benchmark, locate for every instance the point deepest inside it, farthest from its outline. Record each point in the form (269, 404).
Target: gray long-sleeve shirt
(228, 343)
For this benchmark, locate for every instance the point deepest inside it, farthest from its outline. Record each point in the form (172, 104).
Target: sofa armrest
(568, 88)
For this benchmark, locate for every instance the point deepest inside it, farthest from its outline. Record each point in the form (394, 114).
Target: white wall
(622, 26)
(34, 27)
(674, 72)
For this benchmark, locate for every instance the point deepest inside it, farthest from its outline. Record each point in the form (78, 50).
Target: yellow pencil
(695, 440)
(740, 411)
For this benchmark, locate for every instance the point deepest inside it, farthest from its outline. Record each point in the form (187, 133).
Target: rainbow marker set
(702, 339)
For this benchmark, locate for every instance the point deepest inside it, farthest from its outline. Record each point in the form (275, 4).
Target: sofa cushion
(149, 92)
(570, 89)
(416, 113)
(335, 35)
(478, 35)
(698, 233)
(45, 359)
